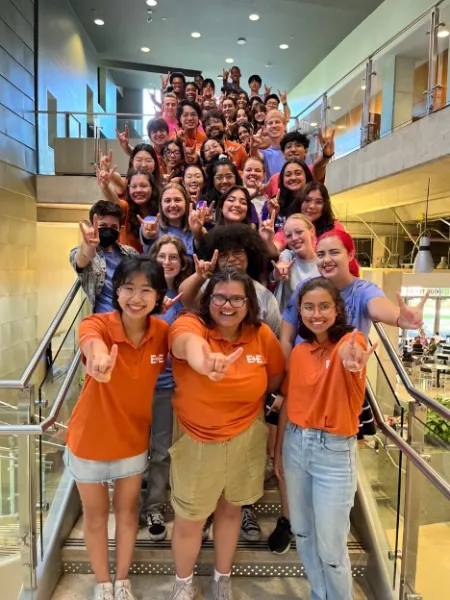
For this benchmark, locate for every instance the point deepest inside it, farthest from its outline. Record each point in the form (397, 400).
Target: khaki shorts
(202, 472)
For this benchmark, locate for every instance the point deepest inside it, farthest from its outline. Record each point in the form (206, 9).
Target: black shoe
(157, 530)
(279, 541)
(207, 527)
(250, 529)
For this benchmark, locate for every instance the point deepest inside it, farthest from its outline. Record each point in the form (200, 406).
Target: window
(149, 108)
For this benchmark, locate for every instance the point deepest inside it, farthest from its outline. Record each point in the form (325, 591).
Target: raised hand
(215, 365)
(169, 302)
(205, 268)
(196, 219)
(199, 100)
(267, 228)
(105, 161)
(283, 97)
(149, 228)
(327, 143)
(354, 357)
(104, 177)
(210, 214)
(181, 136)
(124, 138)
(255, 141)
(165, 179)
(100, 366)
(225, 75)
(281, 269)
(411, 317)
(165, 81)
(273, 205)
(91, 237)
(190, 154)
(267, 89)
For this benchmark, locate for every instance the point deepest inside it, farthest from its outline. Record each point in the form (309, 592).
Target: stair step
(155, 558)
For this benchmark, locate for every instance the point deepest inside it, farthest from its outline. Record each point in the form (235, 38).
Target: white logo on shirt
(156, 358)
(327, 364)
(257, 358)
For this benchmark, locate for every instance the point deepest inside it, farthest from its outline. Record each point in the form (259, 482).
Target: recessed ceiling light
(254, 17)
(99, 22)
(336, 108)
(241, 41)
(313, 124)
(363, 87)
(219, 76)
(145, 49)
(229, 60)
(443, 33)
(284, 46)
(196, 34)
(151, 2)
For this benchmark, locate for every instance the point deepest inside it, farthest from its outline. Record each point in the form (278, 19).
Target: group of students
(230, 324)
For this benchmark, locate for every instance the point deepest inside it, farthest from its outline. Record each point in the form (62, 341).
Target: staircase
(258, 574)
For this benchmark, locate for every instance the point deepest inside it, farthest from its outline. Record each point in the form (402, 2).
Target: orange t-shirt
(196, 141)
(239, 156)
(215, 411)
(321, 392)
(112, 420)
(126, 237)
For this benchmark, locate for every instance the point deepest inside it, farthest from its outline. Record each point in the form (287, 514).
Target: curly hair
(224, 276)
(135, 209)
(186, 264)
(238, 237)
(340, 327)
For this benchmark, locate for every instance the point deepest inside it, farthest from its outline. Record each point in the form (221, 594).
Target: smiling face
(332, 258)
(178, 85)
(172, 157)
(159, 138)
(243, 135)
(242, 101)
(294, 177)
(137, 298)
(228, 108)
(189, 118)
(170, 107)
(235, 74)
(208, 91)
(234, 208)
(173, 205)
(295, 150)
(144, 160)
(193, 180)
(275, 128)
(271, 104)
(313, 205)
(224, 178)
(299, 238)
(211, 149)
(227, 316)
(241, 115)
(253, 173)
(214, 128)
(318, 312)
(170, 261)
(191, 92)
(209, 104)
(140, 189)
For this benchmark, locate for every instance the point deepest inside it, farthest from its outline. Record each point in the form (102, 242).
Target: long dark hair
(150, 150)
(287, 197)
(340, 327)
(223, 276)
(326, 220)
(219, 209)
(135, 209)
(211, 192)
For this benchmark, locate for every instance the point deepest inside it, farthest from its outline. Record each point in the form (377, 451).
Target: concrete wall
(385, 22)
(18, 296)
(68, 64)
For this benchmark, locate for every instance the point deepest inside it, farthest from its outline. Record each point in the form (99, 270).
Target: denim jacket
(92, 277)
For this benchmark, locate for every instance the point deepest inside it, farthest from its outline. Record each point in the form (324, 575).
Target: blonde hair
(299, 217)
(275, 113)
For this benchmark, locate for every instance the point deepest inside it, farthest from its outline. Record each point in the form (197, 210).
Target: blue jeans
(320, 472)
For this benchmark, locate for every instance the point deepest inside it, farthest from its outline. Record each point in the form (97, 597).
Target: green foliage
(438, 426)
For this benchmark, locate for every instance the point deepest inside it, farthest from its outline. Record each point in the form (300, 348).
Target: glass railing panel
(344, 114)
(308, 122)
(442, 94)
(399, 81)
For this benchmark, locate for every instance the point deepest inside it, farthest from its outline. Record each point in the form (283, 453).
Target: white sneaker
(220, 590)
(184, 591)
(104, 591)
(122, 590)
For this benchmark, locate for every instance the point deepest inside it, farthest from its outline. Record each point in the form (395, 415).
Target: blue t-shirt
(165, 380)
(185, 236)
(103, 303)
(273, 161)
(356, 297)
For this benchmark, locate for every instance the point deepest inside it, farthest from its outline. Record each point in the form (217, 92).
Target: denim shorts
(96, 471)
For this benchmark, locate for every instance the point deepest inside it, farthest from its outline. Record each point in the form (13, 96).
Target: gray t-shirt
(300, 270)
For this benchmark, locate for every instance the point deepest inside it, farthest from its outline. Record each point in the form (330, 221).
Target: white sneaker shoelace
(104, 592)
(123, 591)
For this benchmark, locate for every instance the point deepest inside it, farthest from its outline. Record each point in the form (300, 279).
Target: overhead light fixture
(241, 41)
(284, 46)
(219, 76)
(145, 49)
(313, 124)
(196, 34)
(229, 60)
(336, 108)
(99, 22)
(443, 33)
(254, 17)
(423, 263)
(151, 2)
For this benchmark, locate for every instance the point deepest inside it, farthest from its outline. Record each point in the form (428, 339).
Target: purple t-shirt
(273, 161)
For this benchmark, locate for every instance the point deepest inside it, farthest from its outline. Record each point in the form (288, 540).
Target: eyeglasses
(313, 202)
(234, 301)
(324, 307)
(172, 258)
(224, 257)
(227, 177)
(172, 153)
(128, 292)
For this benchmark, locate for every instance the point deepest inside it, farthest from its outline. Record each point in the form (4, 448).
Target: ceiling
(311, 28)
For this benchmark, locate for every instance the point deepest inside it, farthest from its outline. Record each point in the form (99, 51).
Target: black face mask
(108, 236)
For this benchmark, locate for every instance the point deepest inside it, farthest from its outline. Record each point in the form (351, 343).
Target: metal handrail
(430, 403)
(55, 410)
(33, 364)
(419, 462)
(371, 55)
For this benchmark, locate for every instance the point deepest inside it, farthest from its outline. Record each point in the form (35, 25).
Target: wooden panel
(16, 154)
(26, 8)
(16, 74)
(18, 23)
(12, 43)
(17, 128)
(16, 101)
